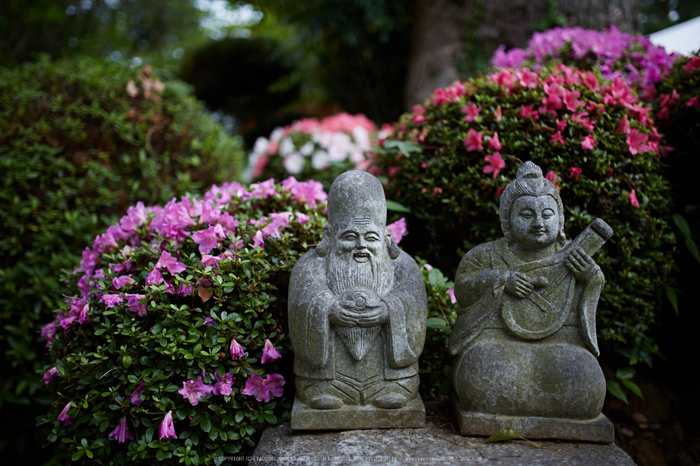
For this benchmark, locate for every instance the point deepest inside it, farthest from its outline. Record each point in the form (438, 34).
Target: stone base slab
(598, 430)
(357, 417)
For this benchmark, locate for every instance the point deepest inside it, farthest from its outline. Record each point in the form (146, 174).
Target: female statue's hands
(581, 264)
(518, 285)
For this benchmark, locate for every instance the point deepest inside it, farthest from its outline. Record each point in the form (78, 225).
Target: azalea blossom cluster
(314, 144)
(160, 260)
(562, 105)
(616, 54)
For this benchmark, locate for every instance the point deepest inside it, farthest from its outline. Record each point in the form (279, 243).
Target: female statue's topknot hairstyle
(529, 182)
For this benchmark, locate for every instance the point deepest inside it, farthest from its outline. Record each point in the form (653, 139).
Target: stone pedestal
(437, 443)
(599, 430)
(357, 417)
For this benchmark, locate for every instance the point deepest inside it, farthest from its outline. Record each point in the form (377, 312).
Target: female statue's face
(534, 221)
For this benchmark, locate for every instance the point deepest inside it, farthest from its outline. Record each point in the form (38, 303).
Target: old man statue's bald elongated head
(357, 316)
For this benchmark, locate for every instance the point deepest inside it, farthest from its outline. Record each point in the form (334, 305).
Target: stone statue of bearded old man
(357, 317)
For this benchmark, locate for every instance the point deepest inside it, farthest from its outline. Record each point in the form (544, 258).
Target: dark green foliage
(454, 202)
(75, 151)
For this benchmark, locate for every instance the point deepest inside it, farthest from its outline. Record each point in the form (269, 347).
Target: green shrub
(79, 142)
(593, 138)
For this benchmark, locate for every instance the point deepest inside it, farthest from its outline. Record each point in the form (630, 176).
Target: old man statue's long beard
(345, 278)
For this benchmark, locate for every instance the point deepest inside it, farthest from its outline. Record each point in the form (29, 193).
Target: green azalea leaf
(615, 390)
(436, 322)
(625, 373)
(634, 388)
(505, 435)
(395, 206)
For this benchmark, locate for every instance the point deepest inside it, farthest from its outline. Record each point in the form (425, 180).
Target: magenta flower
(134, 303)
(624, 126)
(236, 350)
(111, 300)
(170, 263)
(636, 140)
(495, 164)
(302, 218)
(121, 432)
(494, 143)
(210, 261)
(552, 176)
(451, 293)
(223, 385)
(270, 353)
(262, 389)
(194, 390)
(588, 142)
(473, 141)
(209, 321)
(208, 239)
(119, 282)
(258, 240)
(633, 199)
(83, 316)
(527, 78)
(49, 331)
(575, 172)
(471, 112)
(398, 229)
(64, 417)
(50, 375)
(167, 428)
(154, 277)
(135, 396)
(557, 137)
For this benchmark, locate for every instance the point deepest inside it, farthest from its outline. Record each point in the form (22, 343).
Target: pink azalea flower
(236, 350)
(135, 396)
(111, 300)
(494, 143)
(224, 385)
(258, 240)
(527, 78)
(428, 267)
(570, 100)
(64, 417)
(210, 261)
(692, 103)
(270, 353)
(154, 277)
(418, 114)
(451, 293)
(588, 142)
(49, 331)
(302, 218)
(633, 198)
(498, 114)
(262, 389)
(133, 301)
(209, 321)
(50, 375)
(624, 126)
(473, 141)
(170, 263)
(121, 432)
(494, 164)
(575, 172)
(636, 140)
(398, 229)
(208, 239)
(84, 317)
(167, 428)
(306, 191)
(557, 137)
(194, 390)
(552, 176)
(119, 282)
(471, 112)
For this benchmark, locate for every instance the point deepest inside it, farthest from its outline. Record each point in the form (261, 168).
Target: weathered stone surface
(599, 430)
(436, 444)
(357, 417)
(525, 341)
(357, 317)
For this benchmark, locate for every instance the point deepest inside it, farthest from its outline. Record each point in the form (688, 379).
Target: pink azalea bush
(593, 137)
(173, 329)
(314, 148)
(174, 326)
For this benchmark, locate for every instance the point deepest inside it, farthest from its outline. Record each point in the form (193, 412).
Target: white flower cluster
(320, 147)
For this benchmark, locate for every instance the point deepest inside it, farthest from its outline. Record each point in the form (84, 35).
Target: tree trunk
(444, 28)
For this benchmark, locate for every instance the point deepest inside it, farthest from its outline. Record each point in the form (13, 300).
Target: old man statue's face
(360, 241)
(534, 221)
